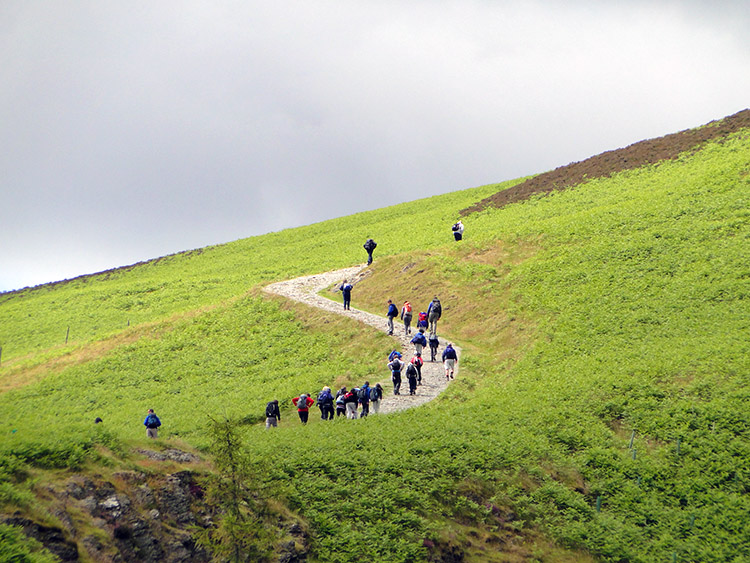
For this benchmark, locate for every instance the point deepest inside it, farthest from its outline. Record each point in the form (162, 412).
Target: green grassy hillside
(601, 410)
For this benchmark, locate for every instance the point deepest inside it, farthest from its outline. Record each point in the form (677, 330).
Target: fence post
(632, 437)
(67, 334)
(599, 503)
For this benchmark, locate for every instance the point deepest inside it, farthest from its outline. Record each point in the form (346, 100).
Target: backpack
(407, 307)
(152, 421)
(436, 308)
(340, 400)
(363, 395)
(302, 402)
(423, 316)
(270, 410)
(395, 365)
(374, 394)
(411, 370)
(455, 227)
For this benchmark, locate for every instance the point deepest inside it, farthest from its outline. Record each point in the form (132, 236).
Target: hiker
(391, 314)
(369, 247)
(458, 230)
(396, 365)
(419, 341)
(350, 400)
(406, 317)
(376, 394)
(450, 359)
(434, 343)
(422, 320)
(152, 424)
(341, 402)
(325, 404)
(417, 361)
(434, 312)
(411, 377)
(364, 399)
(273, 415)
(303, 404)
(346, 291)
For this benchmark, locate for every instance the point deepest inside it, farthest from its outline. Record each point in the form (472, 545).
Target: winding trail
(305, 290)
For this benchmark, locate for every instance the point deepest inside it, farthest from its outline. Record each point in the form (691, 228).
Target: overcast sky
(133, 129)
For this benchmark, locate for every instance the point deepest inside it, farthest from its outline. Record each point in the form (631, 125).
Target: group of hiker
(346, 402)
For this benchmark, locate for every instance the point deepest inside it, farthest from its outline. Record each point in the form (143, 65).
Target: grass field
(601, 411)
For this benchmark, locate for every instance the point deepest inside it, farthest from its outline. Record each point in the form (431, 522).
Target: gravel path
(305, 290)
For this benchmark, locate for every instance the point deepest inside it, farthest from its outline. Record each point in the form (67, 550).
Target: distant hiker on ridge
(391, 314)
(346, 290)
(369, 247)
(434, 312)
(458, 230)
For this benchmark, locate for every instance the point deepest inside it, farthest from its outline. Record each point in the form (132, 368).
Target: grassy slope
(584, 315)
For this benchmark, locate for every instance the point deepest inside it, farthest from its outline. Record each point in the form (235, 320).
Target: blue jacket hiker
(450, 359)
(394, 354)
(325, 403)
(346, 291)
(152, 424)
(419, 341)
(391, 314)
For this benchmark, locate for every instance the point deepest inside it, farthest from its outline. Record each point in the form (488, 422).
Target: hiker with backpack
(346, 290)
(341, 402)
(450, 359)
(376, 394)
(419, 341)
(411, 377)
(406, 317)
(325, 404)
(152, 424)
(351, 399)
(458, 230)
(273, 415)
(422, 320)
(391, 314)
(434, 312)
(396, 366)
(369, 246)
(303, 404)
(434, 343)
(418, 363)
(364, 399)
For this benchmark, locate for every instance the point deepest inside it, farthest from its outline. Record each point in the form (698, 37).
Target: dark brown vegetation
(634, 156)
